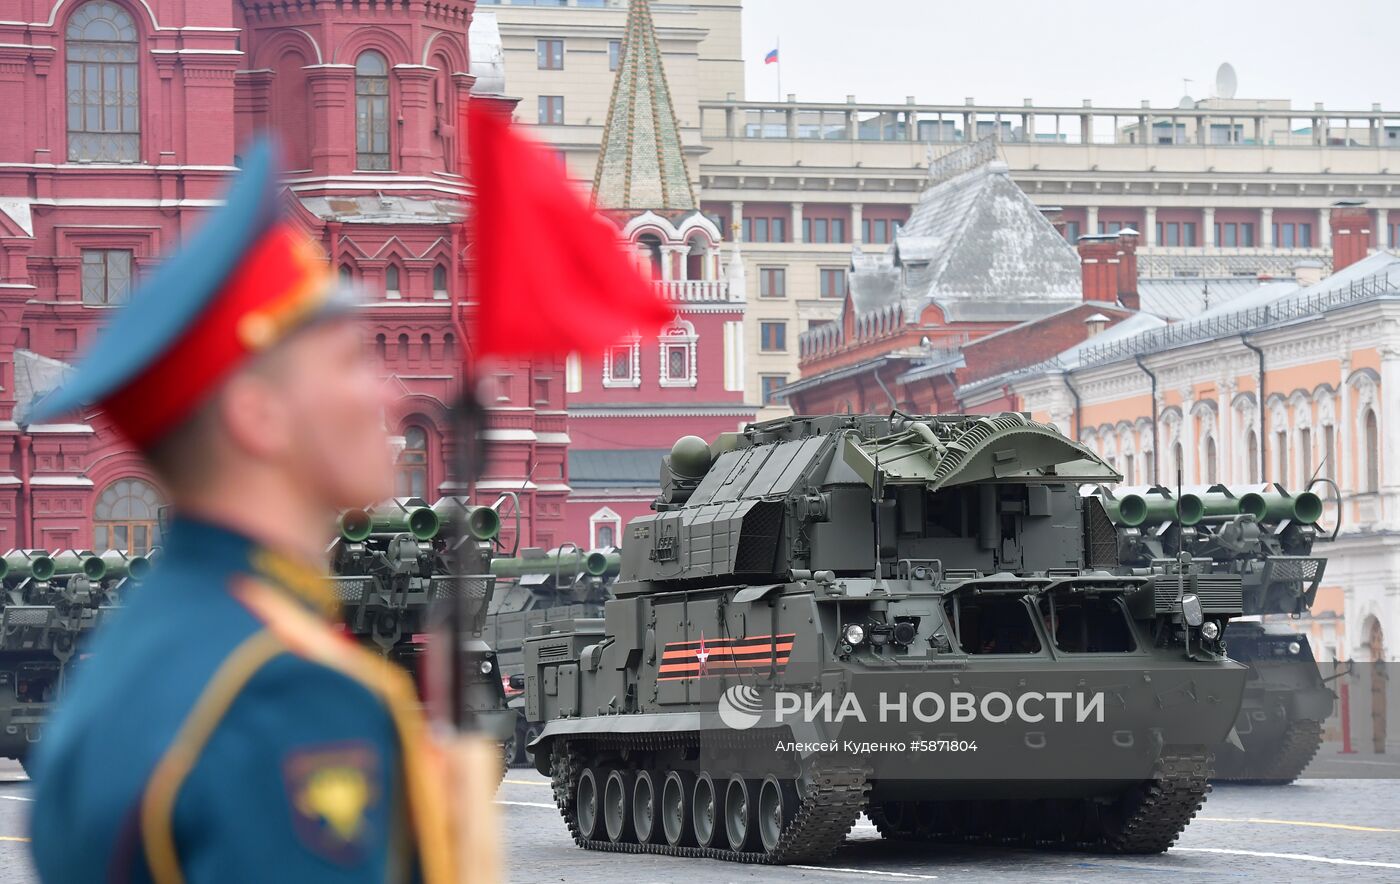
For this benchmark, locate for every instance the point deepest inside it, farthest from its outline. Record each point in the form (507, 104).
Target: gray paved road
(1318, 829)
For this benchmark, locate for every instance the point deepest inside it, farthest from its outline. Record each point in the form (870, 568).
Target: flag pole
(779, 66)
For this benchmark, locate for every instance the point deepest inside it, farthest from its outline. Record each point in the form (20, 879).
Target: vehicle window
(993, 624)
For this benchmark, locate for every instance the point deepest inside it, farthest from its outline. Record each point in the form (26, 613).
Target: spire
(641, 165)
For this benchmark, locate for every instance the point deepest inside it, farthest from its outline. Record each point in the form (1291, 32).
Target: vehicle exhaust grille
(1100, 537)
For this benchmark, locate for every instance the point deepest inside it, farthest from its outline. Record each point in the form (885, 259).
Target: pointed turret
(641, 164)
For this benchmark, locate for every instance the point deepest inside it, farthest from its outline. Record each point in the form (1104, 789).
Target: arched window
(1251, 448)
(371, 112)
(411, 473)
(449, 346)
(104, 100)
(391, 282)
(1210, 465)
(1178, 466)
(126, 517)
(440, 281)
(427, 341)
(403, 347)
(347, 275)
(381, 347)
(1373, 453)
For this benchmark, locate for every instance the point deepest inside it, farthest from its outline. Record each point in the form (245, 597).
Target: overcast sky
(1340, 52)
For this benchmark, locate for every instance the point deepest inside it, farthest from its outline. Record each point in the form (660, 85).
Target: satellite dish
(1226, 82)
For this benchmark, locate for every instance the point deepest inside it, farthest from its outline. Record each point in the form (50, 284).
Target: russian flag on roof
(771, 57)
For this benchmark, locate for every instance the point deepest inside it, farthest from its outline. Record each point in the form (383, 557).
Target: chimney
(1128, 269)
(1307, 272)
(1351, 233)
(1098, 262)
(1095, 324)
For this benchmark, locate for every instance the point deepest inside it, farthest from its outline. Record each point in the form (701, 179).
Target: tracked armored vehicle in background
(915, 616)
(1266, 536)
(393, 567)
(533, 587)
(49, 605)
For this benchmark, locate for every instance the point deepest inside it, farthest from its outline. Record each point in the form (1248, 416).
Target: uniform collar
(212, 547)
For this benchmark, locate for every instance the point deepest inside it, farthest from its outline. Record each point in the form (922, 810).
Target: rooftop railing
(1237, 322)
(1269, 123)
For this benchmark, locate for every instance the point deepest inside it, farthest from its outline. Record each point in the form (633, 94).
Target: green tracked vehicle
(1264, 535)
(49, 605)
(918, 617)
(394, 564)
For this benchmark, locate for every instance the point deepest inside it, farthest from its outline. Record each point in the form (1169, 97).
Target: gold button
(257, 330)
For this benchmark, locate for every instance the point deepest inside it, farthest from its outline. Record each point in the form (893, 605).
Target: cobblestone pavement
(1316, 829)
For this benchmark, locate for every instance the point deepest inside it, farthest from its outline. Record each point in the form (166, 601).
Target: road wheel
(677, 822)
(617, 805)
(644, 807)
(704, 808)
(586, 801)
(531, 733)
(777, 802)
(741, 814)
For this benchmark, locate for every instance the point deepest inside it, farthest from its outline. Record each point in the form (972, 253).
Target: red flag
(550, 274)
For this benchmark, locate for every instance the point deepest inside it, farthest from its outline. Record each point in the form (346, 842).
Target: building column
(736, 220)
(1324, 229)
(1149, 223)
(1388, 397)
(1225, 430)
(797, 223)
(1208, 222)
(1382, 229)
(1266, 225)
(1188, 442)
(1345, 460)
(332, 89)
(1091, 220)
(857, 223)
(415, 85)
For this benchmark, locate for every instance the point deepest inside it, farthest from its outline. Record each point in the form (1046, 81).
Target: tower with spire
(629, 404)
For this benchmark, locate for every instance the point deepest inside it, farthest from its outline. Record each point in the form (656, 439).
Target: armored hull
(913, 616)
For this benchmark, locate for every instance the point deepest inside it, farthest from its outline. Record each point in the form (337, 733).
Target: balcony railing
(699, 291)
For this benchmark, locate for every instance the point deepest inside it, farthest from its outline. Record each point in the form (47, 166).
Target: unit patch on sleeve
(332, 788)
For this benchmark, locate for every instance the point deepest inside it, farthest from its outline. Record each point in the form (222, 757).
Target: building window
(605, 527)
(391, 282)
(677, 362)
(615, 58)
(1293, 236)
(1210, 470)
(1373, 453)
(771, 383)
(1304, 456)
(1281, 443)
(551, 110)
(1329, 446)
(1251, 447)
(440, 281)
(678, 355)
(127, 517)
(823, 230)
(549, 54)
(772, 336)
(411, 472)
(878, 231)
(106, 276)
(371, 112)
(765, 229)
(620, 368)
(381, 347)
(772, 282)
(1072, 231)
(104, 101)
(833, 282)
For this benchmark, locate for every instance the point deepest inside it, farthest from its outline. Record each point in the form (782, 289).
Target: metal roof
(616, 468)
(1183, 297)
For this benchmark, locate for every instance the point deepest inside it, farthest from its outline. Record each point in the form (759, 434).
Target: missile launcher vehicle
(531, 588)
(49, 605)
(918, 617)
(395, 565)
(1264, 535)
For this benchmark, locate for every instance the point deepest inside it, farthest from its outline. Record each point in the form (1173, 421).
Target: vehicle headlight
(1295, 648)
(486, 667)
(854, 634)
(1210, 630)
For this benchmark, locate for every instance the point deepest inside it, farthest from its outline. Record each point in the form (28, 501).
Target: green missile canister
(120, 565)
(396, 517)
(482, 522)
(23, 563)
(1275, 506)
(70, 562)
(597, 563)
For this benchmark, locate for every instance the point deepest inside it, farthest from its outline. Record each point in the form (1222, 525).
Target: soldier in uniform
(222, 729)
